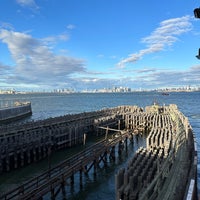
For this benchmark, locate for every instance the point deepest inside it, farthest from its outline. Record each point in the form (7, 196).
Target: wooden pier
(170, 152)
(54, 180)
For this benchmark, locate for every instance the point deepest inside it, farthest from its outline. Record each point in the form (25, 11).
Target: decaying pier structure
(167, 167)
(23, 144)
(164, 169)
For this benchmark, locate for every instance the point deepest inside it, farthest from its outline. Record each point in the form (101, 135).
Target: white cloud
(146, 70)
(54, 39)
(144, 78)
(166, 78)
(90, 80)
(4, 70)
(165, 35)
(28, 3)
(71, 26)
(35, 62)
(100, 55)
(113, 57)
(6, 25)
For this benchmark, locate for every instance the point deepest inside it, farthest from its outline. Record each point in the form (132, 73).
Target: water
(52, 105)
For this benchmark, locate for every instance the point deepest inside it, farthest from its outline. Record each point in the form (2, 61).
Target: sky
(94, 44)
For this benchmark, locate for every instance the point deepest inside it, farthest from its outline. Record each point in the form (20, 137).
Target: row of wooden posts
(168, 140)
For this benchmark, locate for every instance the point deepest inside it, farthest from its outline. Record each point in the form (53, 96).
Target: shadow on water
(104, 179)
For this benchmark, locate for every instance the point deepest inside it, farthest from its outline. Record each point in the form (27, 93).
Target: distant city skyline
(50, 44)
(102, 90)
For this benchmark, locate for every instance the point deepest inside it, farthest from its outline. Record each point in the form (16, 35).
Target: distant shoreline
(97, 92)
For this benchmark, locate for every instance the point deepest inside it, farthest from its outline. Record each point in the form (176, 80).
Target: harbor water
(51, 105)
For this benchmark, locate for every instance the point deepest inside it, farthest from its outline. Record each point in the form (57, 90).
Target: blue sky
(92, 44)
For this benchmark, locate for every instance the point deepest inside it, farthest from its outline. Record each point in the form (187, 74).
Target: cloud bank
(143, 78)
(35, 62)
